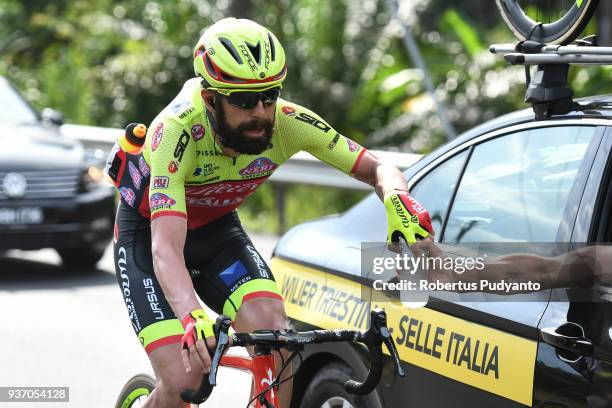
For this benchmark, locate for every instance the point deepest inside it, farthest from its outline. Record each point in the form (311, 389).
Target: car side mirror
(53, 116)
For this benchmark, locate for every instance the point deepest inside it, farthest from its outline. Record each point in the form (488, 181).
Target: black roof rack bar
(555, 59)
(551, 49)
(548, 91)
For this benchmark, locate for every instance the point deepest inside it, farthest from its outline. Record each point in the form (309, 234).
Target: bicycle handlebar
(373, 338)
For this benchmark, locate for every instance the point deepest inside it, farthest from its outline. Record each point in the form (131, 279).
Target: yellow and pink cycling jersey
(183, 171)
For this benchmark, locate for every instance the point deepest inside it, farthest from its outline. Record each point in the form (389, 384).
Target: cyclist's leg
(267, 313)
(238, 283)
(152, 318)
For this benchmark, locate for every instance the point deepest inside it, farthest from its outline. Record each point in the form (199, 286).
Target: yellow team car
(512, 179)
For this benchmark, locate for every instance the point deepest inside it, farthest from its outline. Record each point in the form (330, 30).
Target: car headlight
(93, 178)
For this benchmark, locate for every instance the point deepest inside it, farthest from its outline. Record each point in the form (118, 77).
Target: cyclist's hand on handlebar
(406, 218)
(199, 332)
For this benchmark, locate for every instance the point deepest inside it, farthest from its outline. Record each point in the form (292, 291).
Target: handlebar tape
(373, 377)
(324, 336)
(199, 396)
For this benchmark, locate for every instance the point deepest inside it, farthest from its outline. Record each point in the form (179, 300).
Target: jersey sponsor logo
(353, 147)
(157, 136)
(228, 194)
(261, 265)
(152, 298)
(332, 144)
(160, 182)
(233, 273)
(211, 179)
(125, 287)
(206, 153)
(178, 106)
(173, 166)
(313, 121)
(135, 175)
(128, 195)
(186, 112)
(144, 167)
(215, 202)
(197, 132)
(161, 201)
(262, 166)
(233, 188)
(205, 170)
(181, 145)
(288, 110)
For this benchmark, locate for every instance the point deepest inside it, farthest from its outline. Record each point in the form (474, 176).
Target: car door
(574, 360)
(520, 184)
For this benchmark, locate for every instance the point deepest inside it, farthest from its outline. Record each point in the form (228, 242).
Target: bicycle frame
(262, 369)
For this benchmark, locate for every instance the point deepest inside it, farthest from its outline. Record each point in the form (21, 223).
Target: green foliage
(109, 62)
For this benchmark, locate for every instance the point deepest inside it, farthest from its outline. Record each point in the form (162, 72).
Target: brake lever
(209, 381)
(222, 326)
(394, 354)
(379, 321)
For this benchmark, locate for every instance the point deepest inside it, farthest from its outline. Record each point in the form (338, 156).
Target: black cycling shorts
(225, 268)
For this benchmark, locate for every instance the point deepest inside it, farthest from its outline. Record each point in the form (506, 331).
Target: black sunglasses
(249, 99)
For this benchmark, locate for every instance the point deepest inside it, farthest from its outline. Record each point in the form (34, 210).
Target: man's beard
(235, 139)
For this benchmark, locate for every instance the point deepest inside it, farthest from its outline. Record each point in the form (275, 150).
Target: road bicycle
(261, 364)
(547, 21)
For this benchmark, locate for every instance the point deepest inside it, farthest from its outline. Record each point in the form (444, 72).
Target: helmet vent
(209, 66)
(256, 51)
(230, 48)
(272, 49)
(228, 78)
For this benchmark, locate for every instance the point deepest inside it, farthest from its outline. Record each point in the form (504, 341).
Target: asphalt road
(69, 328)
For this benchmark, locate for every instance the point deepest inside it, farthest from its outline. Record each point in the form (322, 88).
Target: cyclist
(177, 234)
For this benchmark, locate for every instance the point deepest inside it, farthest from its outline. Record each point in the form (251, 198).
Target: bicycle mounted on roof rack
(548, 92)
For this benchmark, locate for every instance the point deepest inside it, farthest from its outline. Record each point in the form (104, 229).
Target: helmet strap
(215, 126)
(213, 122)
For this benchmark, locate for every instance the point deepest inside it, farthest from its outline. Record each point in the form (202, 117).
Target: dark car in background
(52, 191)
(513, 179)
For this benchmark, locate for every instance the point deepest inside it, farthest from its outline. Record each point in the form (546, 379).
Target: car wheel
(85, 257)
(326, 389)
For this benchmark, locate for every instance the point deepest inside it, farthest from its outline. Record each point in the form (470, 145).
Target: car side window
(516, 187)
(436, 188)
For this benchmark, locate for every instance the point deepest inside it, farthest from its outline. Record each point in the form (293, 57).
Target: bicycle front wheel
(547, 21)
(135, 392)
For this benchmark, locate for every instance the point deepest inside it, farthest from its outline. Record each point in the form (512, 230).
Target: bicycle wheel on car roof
(547, 21)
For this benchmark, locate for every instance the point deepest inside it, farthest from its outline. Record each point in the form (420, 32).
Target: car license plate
(21, 215)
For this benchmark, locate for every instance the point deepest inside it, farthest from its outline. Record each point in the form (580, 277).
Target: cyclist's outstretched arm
(407, 218)
(383, 177)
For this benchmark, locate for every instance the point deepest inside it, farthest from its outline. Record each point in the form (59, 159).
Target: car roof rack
(549, 93)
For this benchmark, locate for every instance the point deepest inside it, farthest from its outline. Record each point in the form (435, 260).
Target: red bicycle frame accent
(262, 369)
